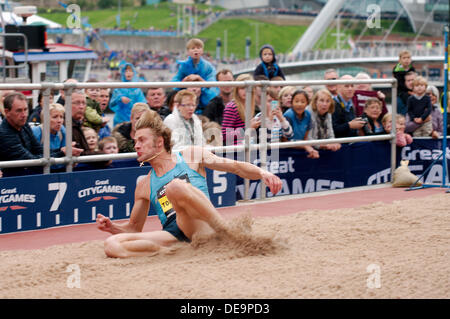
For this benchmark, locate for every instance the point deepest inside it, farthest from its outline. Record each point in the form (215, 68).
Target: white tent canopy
(11, 18)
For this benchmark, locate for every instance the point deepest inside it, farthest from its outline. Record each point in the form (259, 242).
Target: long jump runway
(377, 242)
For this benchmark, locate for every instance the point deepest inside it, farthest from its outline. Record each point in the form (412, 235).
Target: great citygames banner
(355, 164)
(43, 201)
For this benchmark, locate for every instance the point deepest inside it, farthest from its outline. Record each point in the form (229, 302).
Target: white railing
(46, 161)
(326, 55)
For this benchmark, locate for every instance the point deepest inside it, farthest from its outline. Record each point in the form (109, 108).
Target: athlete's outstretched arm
(138, 213)
(242, 169)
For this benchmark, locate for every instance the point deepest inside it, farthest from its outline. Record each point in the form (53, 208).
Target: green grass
(239, 29)
(161, 17)
(282, 38)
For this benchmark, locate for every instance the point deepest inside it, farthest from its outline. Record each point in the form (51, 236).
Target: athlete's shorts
(171, 226)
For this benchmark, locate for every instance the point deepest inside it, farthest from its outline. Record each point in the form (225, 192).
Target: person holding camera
(371, 115)
(278, 127)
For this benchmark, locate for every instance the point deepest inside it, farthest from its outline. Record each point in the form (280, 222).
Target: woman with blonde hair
(57, 129)
(233, 124)
(321, 109)
(185, 125)
(285, 97)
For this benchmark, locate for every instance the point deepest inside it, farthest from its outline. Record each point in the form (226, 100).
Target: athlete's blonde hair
(152, 120)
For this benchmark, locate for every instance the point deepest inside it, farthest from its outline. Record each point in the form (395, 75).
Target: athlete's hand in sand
(104, 223)
(272, 181)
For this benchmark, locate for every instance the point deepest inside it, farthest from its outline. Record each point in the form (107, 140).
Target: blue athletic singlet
(158, 196)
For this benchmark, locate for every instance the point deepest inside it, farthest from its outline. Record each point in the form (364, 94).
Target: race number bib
(164, 202)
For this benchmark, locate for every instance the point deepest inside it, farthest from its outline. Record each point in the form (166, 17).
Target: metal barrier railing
(46, 161)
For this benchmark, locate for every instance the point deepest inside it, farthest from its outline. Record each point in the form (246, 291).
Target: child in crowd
(372, 112)
(363, 91)
(300, 120)
(400, 124)
(437, 120)
(268, 65)
(196, 68)
(403, 66)
(108, 145)
(94, 114)
(419, 108)
(123, 99)
(404, 72)
(91, 137)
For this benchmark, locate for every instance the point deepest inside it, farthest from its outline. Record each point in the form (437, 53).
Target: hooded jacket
(270, 70)
(123, 111)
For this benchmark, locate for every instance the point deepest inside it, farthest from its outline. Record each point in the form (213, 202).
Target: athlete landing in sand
(177, 187)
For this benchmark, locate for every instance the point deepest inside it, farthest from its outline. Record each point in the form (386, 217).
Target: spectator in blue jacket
(300, 119)
(123, 99)
(196, 68)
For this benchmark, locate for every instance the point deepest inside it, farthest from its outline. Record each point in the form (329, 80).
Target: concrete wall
(240, 4)
(278, 19)
(172, 44)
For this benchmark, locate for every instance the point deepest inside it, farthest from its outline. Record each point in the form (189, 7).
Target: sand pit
(402, 248)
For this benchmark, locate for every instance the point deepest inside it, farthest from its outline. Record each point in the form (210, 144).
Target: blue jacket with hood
(123, 111)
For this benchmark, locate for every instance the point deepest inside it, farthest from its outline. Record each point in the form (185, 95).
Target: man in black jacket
(156, 99)
(345, 124)
(215, 107)
(17, 140)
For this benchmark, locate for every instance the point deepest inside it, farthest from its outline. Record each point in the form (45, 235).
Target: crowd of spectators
(218, 116)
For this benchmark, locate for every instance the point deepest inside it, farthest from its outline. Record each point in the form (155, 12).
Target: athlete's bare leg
(195, 212)
(195, 215)
(137, 244)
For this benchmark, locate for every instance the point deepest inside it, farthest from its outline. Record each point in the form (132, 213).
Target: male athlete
(177, 187)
